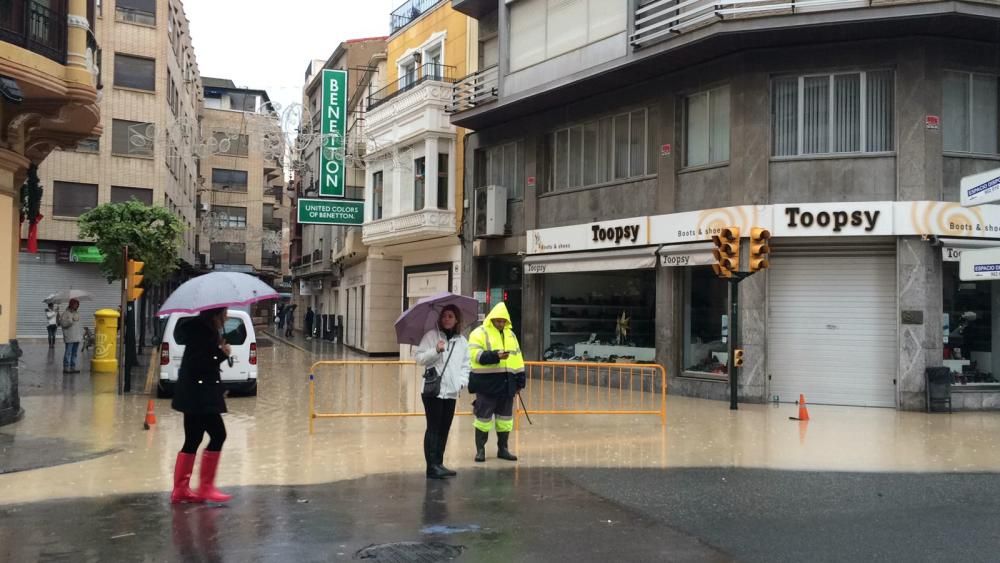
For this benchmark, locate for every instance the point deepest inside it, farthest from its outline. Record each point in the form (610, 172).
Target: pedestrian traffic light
(738, 358)
(760, 250)
(133, 278)
(727, 252)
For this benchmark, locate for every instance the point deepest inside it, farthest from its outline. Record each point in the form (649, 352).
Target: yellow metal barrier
(391, 388)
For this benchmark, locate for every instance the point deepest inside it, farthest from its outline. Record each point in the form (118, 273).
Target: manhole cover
(410, 552)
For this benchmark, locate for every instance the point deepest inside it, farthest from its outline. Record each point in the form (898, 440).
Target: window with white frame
(832, 113)
(377, 195)
(970, 114)
(543, 29)
(706, 129)
(615, 147)
(419, 177)
(407, 74)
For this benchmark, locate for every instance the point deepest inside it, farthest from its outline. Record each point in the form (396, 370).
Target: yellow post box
(106, 345)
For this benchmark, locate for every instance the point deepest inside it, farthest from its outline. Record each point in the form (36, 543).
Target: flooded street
(81, 447)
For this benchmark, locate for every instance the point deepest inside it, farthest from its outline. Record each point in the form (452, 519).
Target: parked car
(239, 374)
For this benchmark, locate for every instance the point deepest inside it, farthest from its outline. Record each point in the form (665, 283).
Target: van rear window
(235, 331)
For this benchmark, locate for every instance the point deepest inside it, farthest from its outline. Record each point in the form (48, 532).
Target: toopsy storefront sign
(846, 219)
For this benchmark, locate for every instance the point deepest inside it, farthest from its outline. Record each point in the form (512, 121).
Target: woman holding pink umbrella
(199, 393)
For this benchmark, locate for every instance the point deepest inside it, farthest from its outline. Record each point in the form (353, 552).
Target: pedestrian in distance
(199, 394)
(280, 318)
(290, 320)
(497, 367)
(310, 319)
(447, 351)
(69, 321)
(52, 322)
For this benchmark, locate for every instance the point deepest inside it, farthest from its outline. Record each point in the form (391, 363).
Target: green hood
(499, 312)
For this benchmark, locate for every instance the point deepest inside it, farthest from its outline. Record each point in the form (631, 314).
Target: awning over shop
(952, 247)
(86, 255)
(625, 259)
(693, 254)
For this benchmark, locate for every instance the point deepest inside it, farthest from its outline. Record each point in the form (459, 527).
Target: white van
(239, 374)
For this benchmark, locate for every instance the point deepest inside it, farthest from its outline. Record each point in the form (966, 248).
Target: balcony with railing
(410, 106)
(312, 264)
(429, 72)
(408, 12)
(418, 225)
(475, 90)
(35, 27)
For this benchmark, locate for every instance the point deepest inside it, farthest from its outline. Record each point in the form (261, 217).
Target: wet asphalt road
(774, 516)
(502, 516)
(709, 514)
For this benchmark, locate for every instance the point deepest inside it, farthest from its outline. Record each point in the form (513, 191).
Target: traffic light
(759, 249)
(738, 358)
(133, 278)
(727, 252)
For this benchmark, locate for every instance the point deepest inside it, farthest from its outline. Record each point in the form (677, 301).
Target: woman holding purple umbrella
(444, 349)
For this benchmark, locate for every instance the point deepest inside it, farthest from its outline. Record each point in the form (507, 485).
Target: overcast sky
(269, 47)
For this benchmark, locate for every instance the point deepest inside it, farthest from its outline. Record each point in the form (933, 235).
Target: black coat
(199, 387)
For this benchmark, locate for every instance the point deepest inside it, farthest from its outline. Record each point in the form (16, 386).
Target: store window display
(969, 331)
(706, 324)
(601, 316)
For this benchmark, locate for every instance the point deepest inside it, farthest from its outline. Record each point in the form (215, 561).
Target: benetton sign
(333, 127)
(331, 212)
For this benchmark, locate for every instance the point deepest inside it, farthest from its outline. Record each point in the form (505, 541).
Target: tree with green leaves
(152, 233)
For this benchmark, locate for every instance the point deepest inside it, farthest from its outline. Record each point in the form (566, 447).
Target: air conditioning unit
(205, 207)
(491, 211)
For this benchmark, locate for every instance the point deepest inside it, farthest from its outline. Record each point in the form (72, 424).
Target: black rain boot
(434, 470)
(502, 451)
(481, 438)
(442, 442)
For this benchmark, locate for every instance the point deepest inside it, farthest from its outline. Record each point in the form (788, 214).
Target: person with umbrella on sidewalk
(69, 320)
(435, 325)
(497, 376)
(199, 393)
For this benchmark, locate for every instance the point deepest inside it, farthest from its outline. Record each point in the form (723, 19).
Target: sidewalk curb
(286, 342)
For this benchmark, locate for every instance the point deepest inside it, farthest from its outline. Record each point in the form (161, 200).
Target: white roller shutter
(832, 327)
(39, 275)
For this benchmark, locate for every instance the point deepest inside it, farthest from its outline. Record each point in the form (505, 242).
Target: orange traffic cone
(150, 416)
(803, 411)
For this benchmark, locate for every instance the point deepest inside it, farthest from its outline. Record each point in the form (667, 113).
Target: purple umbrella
(414, 323)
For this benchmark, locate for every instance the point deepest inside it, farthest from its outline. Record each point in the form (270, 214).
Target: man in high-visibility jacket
(497, 373)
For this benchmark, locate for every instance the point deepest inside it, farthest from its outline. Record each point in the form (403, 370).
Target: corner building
(413, 194)
(624, 133)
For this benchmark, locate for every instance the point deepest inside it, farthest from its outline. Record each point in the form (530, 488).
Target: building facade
(331, 266)
(242, 204)
(49, 83)
(612, 139)
(149, 151)
(414, 201)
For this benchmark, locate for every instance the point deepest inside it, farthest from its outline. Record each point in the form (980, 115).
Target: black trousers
(195, 426)
(52, 335)
(439, 414)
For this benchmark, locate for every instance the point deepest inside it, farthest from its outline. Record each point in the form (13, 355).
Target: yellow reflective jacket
(491, 375)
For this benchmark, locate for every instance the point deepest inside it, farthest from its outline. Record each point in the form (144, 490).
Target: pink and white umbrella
(217, 290)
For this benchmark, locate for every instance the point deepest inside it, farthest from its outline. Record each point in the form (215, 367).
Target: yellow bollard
(106, 345)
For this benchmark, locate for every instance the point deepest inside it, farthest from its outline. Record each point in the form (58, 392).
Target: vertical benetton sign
(333, 125)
